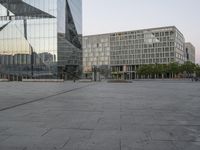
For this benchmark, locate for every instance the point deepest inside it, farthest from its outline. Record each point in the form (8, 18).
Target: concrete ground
(143, 115)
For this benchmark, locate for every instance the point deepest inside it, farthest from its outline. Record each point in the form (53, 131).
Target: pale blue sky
(103, 16)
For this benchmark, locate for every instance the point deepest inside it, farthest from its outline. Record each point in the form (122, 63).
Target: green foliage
(188, 67)
(197, 70)
(172, 69)
(151, 70)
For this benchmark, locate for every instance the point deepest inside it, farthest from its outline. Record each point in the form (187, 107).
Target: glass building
(40, 38)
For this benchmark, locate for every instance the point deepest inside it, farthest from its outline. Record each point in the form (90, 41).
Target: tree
(151, 70)
(158, 70)
(173, 69)
(188, 67)
(144, 70)
(197, 70)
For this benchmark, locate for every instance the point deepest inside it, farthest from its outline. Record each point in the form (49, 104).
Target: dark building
(40, 39)
(190, 52)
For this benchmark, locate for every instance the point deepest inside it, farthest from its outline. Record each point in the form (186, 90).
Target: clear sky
(103, 16)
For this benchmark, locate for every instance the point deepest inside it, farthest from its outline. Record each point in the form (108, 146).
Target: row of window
(96, 54)
(145, 51)
(142, 34)
(152, 37)
(88, 59)
(158, 55)
(143, 61)
(141, 45)
(96, 45)
(95, 63)
(130, 48)
(100, 50)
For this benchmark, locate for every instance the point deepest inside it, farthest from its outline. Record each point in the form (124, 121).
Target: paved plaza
(143, 115)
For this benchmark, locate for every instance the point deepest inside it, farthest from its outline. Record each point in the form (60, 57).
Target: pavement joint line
(164, 125)
(25, 148)
(43, 98)
(81, 129)
(120, 144)
(174, 140)
(83, 111)
(176, 148)
(46, 132)
(65, 143)
(7, 137)
(1, 131)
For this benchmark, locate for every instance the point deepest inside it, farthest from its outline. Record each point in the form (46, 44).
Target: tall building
(190, 52)
(40, 39)
(129, 50)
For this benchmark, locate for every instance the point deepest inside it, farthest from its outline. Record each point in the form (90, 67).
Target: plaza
(143, 115)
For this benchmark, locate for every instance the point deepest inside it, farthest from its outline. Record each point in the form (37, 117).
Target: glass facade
(96, 51)
(96, 54)
(69, 38)
(40, 39)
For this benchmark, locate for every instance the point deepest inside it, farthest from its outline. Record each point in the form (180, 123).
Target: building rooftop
(157, 28)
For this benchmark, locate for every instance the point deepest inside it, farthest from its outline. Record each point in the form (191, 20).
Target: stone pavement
(143, 115)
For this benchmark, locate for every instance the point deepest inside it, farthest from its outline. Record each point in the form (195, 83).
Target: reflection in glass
(40, 39)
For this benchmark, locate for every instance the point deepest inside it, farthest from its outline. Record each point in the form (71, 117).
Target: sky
(105, 16)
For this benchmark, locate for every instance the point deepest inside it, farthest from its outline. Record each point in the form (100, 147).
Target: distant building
(190, 52)
(126, 51)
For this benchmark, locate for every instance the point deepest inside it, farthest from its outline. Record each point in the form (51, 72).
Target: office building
(40, 39)
(127, 51)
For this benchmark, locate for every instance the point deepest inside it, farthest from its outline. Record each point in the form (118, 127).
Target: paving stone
(136, 116)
